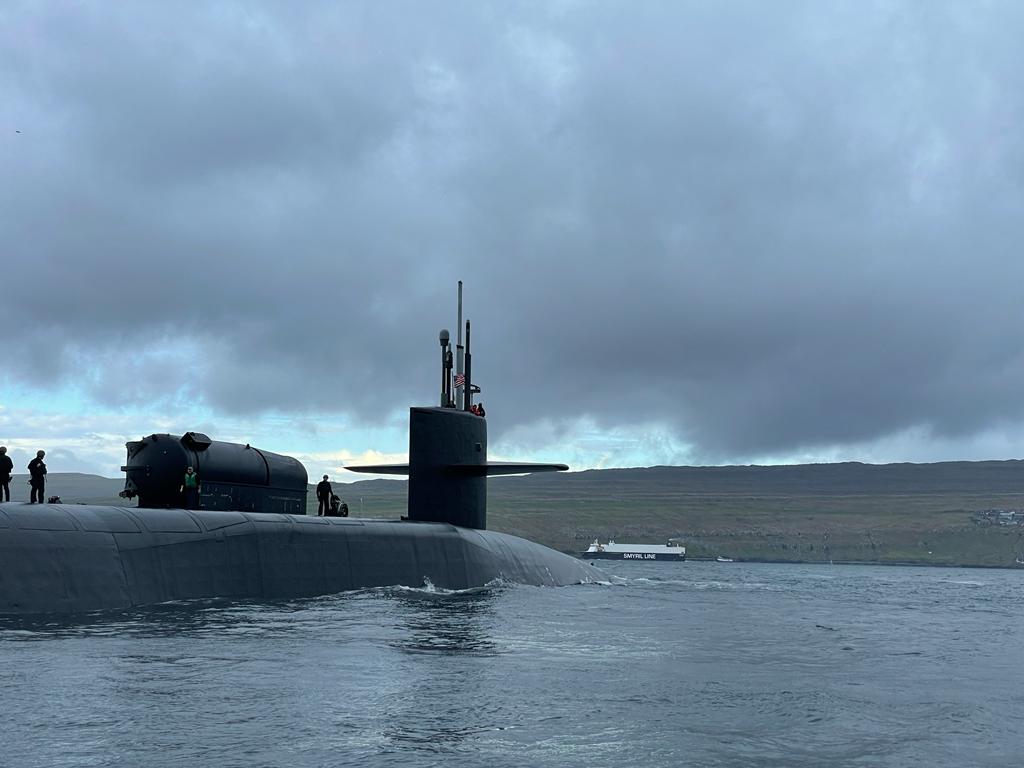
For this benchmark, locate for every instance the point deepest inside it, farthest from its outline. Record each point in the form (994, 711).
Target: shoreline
(892, 563)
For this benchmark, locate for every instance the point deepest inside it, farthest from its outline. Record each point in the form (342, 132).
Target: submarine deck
(81, 558)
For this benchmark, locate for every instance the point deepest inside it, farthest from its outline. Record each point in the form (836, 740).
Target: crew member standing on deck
(190, 488)
(37, 478)
(6, 468)
(323, 496)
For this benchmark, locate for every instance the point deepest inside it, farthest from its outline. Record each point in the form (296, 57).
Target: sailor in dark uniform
(6, 468)
(338, 507)
(37, 478)
(323, 496)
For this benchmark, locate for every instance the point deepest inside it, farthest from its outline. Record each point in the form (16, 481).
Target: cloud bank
(740, 230)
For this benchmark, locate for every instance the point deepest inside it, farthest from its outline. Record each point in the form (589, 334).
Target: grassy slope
(840, 512)
(917, 513)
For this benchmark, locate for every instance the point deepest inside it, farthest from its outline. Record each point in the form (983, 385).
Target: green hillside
(917, 513)
(72, 487)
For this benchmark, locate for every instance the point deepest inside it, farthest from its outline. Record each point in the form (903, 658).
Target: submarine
(251, 539)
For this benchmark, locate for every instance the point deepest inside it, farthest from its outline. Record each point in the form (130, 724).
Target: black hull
(642, 556)
(77, 558)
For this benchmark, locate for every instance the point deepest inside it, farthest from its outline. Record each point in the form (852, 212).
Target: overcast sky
(690, 233)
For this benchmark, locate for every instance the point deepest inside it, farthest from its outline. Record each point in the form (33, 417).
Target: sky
(689, 232)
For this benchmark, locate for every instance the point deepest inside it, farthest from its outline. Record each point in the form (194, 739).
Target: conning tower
(448, 466)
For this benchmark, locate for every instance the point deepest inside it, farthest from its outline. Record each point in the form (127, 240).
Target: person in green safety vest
(190, 488)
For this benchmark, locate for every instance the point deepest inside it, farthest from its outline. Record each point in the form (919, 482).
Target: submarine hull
(58, 558)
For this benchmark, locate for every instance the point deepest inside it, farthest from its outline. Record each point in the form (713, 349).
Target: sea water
(668, 664)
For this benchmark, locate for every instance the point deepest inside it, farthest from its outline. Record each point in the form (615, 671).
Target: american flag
(460, 379)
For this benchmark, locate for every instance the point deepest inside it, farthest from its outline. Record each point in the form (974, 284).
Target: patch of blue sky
(81, 435)
(84, 436)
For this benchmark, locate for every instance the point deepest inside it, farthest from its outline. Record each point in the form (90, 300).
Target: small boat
(721, 559)
(613, 551)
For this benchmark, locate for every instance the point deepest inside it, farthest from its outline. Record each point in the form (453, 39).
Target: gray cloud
(766, 228)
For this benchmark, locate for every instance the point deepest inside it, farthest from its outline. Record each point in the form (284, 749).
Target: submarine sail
(448, 465)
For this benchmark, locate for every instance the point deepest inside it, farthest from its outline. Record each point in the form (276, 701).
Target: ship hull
(633, 556)
(79, 558)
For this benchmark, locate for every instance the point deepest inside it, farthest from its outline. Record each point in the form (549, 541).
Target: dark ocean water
(702, 664)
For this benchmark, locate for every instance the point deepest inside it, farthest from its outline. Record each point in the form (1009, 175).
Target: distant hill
(889, 513)
(920, 513)
(72, 487)
(818, 479)
(842, 479)
(660, 484)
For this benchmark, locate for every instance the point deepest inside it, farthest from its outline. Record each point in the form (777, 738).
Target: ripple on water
(697, 664)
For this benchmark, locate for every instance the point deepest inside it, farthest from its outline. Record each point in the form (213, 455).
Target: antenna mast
(460, 358)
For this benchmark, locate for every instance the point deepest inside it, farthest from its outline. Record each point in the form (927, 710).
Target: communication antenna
(468, 389)
(446, 369)
(460, 358)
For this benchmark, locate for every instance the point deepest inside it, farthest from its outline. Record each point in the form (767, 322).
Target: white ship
(613, 551)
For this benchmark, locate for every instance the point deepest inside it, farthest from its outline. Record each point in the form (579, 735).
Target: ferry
(613, 551)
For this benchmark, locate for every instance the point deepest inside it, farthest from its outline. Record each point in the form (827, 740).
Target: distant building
(998, 517)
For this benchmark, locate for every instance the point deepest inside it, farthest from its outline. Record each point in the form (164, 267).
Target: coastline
(900, 564)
